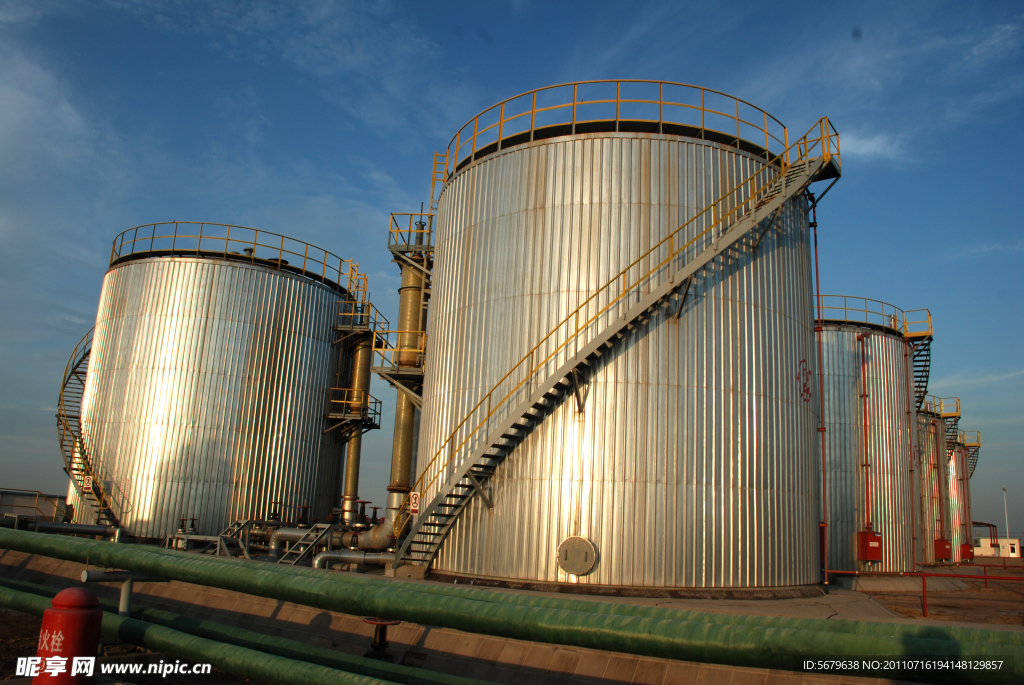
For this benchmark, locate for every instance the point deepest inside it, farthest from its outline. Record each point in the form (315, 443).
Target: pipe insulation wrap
(740, 645)
(289, 649)
(249, 663)
(958, 633)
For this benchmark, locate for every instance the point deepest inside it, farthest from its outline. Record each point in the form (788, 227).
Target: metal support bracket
(480, 489)
(682, 298)
(402, 388)
(581, 398)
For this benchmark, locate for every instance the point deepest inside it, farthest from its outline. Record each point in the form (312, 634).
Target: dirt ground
(19, 636)
(1000, 603)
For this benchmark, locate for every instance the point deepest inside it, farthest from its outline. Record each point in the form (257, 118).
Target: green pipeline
(739, 645)
(289, 649)
(867, 628)
(896, 630)
(248, 663)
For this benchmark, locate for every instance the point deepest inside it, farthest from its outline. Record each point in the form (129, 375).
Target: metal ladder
(305, 545)
(470, 477)
(233, 541)
(69, 432)
(921, 357)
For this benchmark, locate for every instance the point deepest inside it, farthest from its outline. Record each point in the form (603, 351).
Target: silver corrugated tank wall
(889, 423)
(932, 476)
(692, 464)
(206, 392)
(960, 530)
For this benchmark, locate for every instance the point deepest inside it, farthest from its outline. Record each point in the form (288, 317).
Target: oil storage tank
(962, 532)
(682, 456)
(932, 480)
(869, 421)
(209, 372)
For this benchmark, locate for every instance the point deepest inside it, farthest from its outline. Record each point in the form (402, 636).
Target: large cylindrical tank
(959, 500)
(932, 477)
(869, 416)
(692, 462)
(211, 366)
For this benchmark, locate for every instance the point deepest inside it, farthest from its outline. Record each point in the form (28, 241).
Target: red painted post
(984, 572)
(924, 592)
(68, 640)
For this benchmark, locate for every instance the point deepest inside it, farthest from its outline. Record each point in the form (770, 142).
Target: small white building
(1008, 547)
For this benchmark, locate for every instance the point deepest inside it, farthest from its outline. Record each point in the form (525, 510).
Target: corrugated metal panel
(206, 392)
(692, 465)
(932, 479)
(960, 514)
(889, 422)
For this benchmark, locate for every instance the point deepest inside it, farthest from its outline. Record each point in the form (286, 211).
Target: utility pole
(1005, 514)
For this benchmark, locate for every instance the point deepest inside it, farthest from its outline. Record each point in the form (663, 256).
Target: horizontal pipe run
(289, 649)
(739, 645)
(66, 528)
(958, 633)
(647, 611)
(264, 668)
(351, 556)
(281, 536)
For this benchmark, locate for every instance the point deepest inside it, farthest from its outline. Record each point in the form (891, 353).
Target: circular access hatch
(577, 556)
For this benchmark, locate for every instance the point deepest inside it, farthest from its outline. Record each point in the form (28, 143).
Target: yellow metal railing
(949, 407)
(970, 438)
(237, 243)
(58, 510)
(405, 231)
(820, 141)
(582, 105)
(358, 316)
(409, 352)
(352, 401)
(915, 323)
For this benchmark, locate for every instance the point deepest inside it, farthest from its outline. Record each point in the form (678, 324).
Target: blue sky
(316, 119)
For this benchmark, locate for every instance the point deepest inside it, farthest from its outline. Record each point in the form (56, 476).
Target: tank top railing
(625, 105)
(914, 323)
(573, 331)
(235, 243)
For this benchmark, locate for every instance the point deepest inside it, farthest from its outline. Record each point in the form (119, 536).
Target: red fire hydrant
(68, 640)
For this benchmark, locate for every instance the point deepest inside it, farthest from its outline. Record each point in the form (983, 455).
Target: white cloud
(877, 146)
(960, 381)
(973, 250)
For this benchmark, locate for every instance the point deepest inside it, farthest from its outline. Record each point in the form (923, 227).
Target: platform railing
(350, 401)
(662, 106)
(410, 350)
(949, 407)
(405, 234)
(235, 243)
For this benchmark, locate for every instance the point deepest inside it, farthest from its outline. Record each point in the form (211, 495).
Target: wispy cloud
(878, 146)
(962, 380)
(982, 249)
(369, 58)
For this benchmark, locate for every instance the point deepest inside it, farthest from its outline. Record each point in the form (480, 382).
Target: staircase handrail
(826, 142)
(68, 436)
